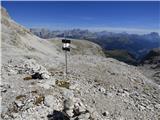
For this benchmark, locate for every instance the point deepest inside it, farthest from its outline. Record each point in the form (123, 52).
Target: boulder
(68, 104)
(69, 113)
(76, 106)
(106, 113)
(19, 103)
(49, 101)
(32, 67)
(80, 107)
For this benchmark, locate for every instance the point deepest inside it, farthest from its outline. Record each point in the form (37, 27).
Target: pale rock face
(4, 12)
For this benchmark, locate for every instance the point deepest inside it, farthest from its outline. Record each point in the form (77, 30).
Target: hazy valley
(130, 48)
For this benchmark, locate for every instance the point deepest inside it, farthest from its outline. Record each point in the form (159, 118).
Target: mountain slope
(121, 55)
(153, 57)
(18, 41)
(150, 65)
(96, 87)
(137, 45)
(81, 47)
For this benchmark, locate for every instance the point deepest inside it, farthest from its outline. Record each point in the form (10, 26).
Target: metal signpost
(66, 47)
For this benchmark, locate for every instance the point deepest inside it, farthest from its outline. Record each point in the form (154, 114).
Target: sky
(115, 16)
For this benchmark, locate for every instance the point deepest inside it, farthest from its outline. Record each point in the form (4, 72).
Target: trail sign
(66, 41)
(66, 44)
(66, 47)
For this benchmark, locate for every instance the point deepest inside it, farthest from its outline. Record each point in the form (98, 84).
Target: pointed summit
(4, 12)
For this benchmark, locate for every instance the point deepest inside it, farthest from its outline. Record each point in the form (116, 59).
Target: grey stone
(106, 113)
(28, 105)
(141, 107)
(80, 106)
(12, 72)
(73, 86)
(102, 89)
(31, 67)
(68, 104)
(68, 94)
(157, 106)
(150, 107)
(15, 115)
(49, 101)
(19, 103)
(69, 113)
(45, 76)
(84, 116)
(47, 84)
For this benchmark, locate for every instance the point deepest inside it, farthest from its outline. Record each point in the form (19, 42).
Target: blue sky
(131, 17)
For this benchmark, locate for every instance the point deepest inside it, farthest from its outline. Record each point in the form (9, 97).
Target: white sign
(66, 45)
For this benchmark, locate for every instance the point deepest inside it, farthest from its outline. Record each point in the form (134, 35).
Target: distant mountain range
(134, 45)
(153, 57)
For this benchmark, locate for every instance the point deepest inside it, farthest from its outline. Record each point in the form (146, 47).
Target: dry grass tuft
(63, 83)
(28, 78)
(39, 99)
(20, 96)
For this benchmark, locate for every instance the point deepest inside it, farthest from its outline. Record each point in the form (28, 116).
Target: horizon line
(107, 29)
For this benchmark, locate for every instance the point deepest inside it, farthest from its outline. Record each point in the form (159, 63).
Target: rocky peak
(4, 12)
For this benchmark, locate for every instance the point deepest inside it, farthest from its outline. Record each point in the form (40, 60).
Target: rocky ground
(35, 87)
(151, 71)
(98, 88)
(150, 65)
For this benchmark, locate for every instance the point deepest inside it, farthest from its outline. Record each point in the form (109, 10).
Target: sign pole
(66, 62)
(66, 47)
